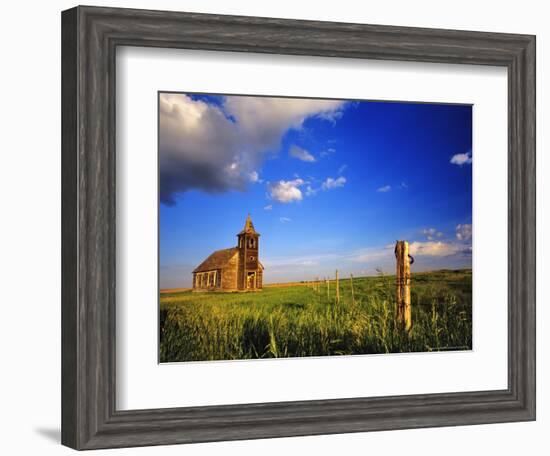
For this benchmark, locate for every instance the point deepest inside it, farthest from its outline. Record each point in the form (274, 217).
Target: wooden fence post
(403, 284)
(328, 289)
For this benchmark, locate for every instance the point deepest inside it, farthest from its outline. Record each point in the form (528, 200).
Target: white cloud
(300, 154)
(462, 159)
(331, 116)
(342, 168)
(328, 152)
(331, 183)
(431, 233)
(286, 191)
(216, 147)
(285, 219)
(254, 177)
(267, 118)
(310, 191)
(428, 252)
(384, 189)
(436, 249)
(268, 207)
(464, 232)
(289, 191)
(403, 185)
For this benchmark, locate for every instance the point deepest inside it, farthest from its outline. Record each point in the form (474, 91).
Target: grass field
(294, 321)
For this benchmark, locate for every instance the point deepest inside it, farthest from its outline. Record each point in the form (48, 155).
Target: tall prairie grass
(296, 321)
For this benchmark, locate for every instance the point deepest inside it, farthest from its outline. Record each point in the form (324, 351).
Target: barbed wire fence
(403, 288)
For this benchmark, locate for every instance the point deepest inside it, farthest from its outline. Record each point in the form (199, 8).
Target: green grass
(297, 321)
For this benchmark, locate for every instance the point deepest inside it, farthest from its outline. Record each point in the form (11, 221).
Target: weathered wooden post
(328, 289)
(337, 289)
(403, 284)
(352, 294)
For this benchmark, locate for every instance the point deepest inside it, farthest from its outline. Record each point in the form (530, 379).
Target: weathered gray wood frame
(89, 38)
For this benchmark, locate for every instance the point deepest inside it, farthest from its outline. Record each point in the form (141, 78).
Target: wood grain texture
(89, 39)
(69, 228)
(403, 286)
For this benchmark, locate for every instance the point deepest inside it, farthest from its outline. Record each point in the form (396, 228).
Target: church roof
(248, 227)
(217, 260)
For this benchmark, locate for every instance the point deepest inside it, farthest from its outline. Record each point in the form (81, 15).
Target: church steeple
(249, 274)
(248, 226)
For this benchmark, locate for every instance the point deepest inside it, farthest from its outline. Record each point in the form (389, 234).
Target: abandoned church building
(234, 269)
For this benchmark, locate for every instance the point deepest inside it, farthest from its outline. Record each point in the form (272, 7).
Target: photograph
(296, 227)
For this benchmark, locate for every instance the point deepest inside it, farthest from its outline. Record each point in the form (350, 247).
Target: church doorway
(250, 280)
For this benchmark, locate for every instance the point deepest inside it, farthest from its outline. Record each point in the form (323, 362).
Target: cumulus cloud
(331, 183)
(464, 232)
(462, 159)
(431, 233)
(216, 147)
(286, 191)
(432, 248)
(300, 154)
(254, 176)
(428, 255)
(384, 189)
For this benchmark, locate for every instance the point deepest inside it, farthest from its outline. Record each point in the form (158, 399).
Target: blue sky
(329, 184)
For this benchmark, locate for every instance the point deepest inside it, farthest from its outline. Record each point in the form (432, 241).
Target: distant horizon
(323, 279)
(329, 184)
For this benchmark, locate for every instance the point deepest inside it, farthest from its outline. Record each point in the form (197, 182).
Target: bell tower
(248, 276)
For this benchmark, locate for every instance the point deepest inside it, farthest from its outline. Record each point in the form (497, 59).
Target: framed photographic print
(338, 220)
(297, 163)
